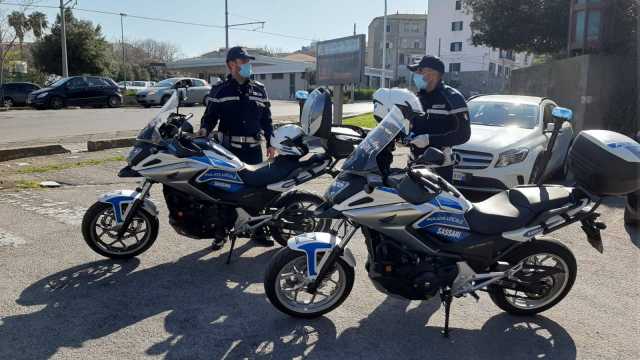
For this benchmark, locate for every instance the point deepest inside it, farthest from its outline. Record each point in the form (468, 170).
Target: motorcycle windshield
(364, 157)
(151, 132)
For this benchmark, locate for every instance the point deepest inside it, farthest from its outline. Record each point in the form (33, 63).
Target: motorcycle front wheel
(99, 232)
(286, 287)
(297, 217)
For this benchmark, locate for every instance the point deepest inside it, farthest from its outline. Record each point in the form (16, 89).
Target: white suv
(508, 135)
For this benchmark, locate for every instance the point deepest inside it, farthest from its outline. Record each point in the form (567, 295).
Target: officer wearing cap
(242, 107)
(446, 119)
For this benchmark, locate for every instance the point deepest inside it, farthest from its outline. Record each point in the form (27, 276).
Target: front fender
(118, 198)
(318, 242)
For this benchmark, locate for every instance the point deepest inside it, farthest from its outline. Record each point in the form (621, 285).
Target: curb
(29, 151)
(97, 145)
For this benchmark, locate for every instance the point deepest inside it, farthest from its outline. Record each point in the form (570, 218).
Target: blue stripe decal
(387, 189)
(117, 203)
(311, 249)
(449, 203)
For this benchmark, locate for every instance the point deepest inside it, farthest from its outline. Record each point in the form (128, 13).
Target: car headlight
(512, 156)
(335, 188)
(40, 96)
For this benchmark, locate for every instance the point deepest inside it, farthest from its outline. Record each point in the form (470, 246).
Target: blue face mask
(420, 82)
(246, 70)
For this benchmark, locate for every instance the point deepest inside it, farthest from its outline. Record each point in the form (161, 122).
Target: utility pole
(354, 29)
(227, 26)
(124, 51)
(63, 36)
(384, 47)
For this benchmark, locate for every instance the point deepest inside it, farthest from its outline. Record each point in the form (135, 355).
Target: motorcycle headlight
(512, 156)
(335, 188)
(40, 96)
(133, 153)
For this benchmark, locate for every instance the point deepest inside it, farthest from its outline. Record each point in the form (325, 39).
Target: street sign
(340, 61)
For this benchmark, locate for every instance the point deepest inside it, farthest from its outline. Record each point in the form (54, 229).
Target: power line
(104, 12)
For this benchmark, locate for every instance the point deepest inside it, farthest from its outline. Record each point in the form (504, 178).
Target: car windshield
(166, 83)
(59, 82)
(494, 113)
(364, 157)
(139, 83)
(151, 132)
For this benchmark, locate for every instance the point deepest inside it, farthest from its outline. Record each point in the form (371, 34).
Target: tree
(537, 26)
(38, 23)
(87, 50)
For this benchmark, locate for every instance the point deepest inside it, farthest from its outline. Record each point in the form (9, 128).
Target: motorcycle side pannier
(605, 162)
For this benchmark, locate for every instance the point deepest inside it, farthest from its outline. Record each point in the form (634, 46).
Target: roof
(420, 17)
(300, 57)
(261, 65)
(534, 100)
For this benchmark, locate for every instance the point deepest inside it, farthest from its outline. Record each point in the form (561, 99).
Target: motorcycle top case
(605, 163)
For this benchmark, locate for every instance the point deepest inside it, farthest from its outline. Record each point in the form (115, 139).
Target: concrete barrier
(30, 151)
(97, 145)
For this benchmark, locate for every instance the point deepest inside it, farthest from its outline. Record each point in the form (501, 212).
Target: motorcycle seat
(515, 208)
(267, 173)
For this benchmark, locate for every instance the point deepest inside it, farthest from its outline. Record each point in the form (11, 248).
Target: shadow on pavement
(219, 311)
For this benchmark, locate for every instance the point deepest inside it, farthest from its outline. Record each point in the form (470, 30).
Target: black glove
(408, 112)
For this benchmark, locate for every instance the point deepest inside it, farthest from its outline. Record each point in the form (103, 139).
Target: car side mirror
(564, 114)
(431, 156)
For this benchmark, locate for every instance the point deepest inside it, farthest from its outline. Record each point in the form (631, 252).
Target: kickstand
(233, 245)
(446, 298)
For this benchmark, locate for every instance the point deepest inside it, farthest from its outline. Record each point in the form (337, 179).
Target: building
(594, 26)
(473, 69)
(406, 37)
(281, 76)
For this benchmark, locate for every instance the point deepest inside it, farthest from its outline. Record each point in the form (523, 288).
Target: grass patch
(27, 184)
(363, 121)
(69, 165)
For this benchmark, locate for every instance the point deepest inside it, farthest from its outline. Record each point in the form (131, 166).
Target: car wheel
(146, 106)
(165, 99)
(114, 101)
(56, 102)
(8, 102)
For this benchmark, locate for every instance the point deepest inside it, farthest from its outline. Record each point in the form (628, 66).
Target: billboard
(340, 61)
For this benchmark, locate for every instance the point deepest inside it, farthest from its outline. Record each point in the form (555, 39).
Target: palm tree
(20, 24)
(38, 23)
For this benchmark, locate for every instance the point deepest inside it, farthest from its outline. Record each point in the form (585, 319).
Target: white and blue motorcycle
(210, 193)
(424, 238)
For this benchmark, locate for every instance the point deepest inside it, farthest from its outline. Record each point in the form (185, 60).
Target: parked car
(508, 136)
(17, 93)
(136, 85)
(77, 91)
(197, 91)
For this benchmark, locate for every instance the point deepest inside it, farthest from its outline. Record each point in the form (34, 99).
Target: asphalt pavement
(179, 300)
(29, 127)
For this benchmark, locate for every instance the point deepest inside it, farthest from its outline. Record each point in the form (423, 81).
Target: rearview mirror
(302, 95)
(562, 113)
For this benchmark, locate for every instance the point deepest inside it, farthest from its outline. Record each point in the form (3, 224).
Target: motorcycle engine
(398, 271)
(196, 219)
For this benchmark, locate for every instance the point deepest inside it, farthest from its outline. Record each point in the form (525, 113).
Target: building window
(388, 27)
(277, 76)
(263, 76)
(389, 45)
(454, 67)
(411, 28)
(593, 29)
(456, 26)
(507, 71)
(578, 34)
(507, 54)
(417, 44)
(302, 76)
(499, 70)
(492, 68)
(459, 5)
(456, 46)
(401, 59)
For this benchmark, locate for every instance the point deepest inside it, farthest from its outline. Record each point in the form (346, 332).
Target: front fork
(133, 207)
(327, 262)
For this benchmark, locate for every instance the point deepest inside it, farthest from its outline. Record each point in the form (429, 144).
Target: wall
(599, 89)
(278, 89)
(476, 82)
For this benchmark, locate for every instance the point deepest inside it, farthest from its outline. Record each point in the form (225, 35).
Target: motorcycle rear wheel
(298, 217)
(547, 253)
(98, 223)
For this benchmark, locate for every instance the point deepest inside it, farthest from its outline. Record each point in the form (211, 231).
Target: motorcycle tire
(541, 246)
(289, 200)
(282, 259)
(92, 239)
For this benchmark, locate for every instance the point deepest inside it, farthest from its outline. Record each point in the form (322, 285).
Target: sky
(317, 20)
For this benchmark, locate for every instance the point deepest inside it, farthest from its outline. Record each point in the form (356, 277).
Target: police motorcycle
(209, 192)
(425, 239)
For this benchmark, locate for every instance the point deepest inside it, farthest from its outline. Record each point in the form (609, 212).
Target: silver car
(197, 91)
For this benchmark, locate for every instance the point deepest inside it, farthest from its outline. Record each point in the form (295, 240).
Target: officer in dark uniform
(243, 109)
(446, 119)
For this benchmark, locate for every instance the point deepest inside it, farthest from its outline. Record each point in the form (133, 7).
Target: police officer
(446, 119)
(242, 107)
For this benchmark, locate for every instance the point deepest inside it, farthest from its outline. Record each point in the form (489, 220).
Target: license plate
(459, 176)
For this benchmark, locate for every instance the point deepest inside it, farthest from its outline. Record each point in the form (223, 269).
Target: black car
(77, 91)
(17, 93)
